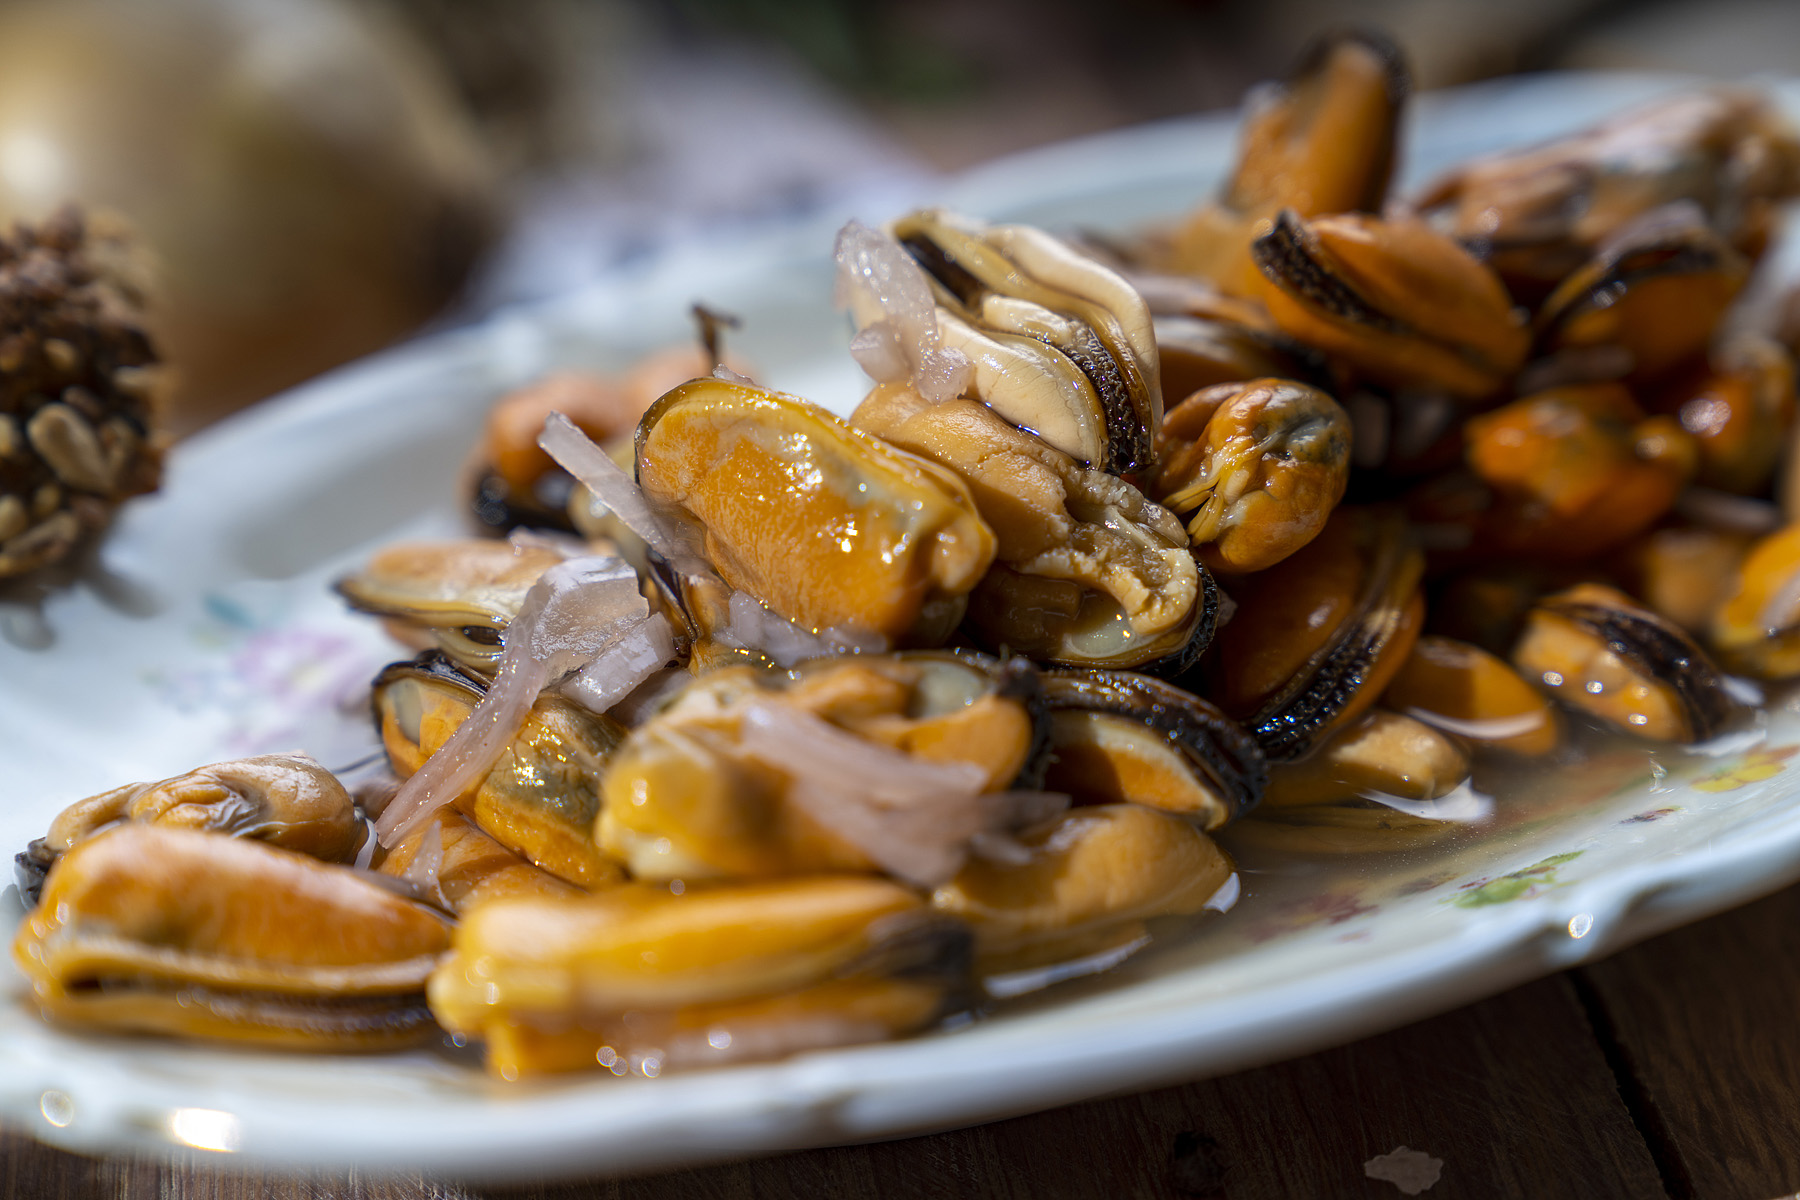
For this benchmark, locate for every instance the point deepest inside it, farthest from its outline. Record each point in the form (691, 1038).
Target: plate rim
(819, 1099)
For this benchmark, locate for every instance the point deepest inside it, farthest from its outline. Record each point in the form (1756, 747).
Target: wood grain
(1513, 1094)
(1704, 1019)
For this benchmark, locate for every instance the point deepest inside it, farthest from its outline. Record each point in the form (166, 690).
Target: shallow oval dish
(216, 637)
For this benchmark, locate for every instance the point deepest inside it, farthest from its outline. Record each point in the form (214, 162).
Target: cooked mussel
(1573, 471)
(457, 867)
(900, 763)
(287, 800)
(1596, 650)
(1757, 628)
(1384, 783)
(1323, 142)
(1463, 690)
(1117, 737)
(517, 483)
(1738, 407)
(1088, 572)
(1383, 756)
(826, 525)
(1317, 636)
(1402, 304)
(1686, 571)
(643, 978)
(1654, 290)
(541, 796)
(1536, 215)
(1084, 886)
(168, 930)
(458, 596)
(1061, 346)
(1204, 351)
(1254, 469)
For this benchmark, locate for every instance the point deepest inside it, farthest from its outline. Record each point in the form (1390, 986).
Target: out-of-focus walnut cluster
(77, 378)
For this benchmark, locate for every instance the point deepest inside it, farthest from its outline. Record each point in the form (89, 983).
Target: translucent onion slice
(890, 298)
(422, 872)
(914, 819)
(639, 653)
(755, 626)
(661, 530)
(572, 613)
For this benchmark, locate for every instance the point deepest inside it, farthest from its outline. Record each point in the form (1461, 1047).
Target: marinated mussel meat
(1203, 351)
(1757, 628)
(173, 931)
(1463, 690)
(1654, 291)
(1254, 469)
(457, 867)
(542, 794)
(1402, 304)
(519, 484)
(1085, 886)
(1088, 571)
(1323, 142)
(1738, 407)
(641, 978)
(1573, 471)
(1061, 346)
(1319, 635)
(580, 613)
(826, 525)
(1595, 650)
(1118, 737)
(1382, 783)
(456, 596)
(287, 800)
(1686, 572)
(901, 763)
(1383, 756)
(1536, 215)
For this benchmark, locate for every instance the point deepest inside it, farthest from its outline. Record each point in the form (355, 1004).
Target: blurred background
(314, 179)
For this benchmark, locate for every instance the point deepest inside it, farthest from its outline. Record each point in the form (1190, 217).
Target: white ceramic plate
(209, 633)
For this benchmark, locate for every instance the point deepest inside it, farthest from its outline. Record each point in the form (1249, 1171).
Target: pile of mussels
(803, 732)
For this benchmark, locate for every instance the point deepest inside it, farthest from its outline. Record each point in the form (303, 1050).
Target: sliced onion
(914, 819)
(427, 862)
(639, 653)
(890, 297)
(661, 530)
(574, 611)
(365, 854)
(752, 625)
(755, 626)
(650, 696)
(544, 539)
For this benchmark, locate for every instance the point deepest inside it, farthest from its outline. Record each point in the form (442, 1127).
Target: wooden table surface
(1671, 1069)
